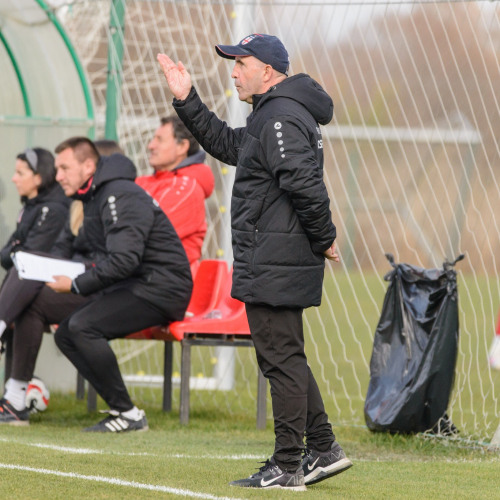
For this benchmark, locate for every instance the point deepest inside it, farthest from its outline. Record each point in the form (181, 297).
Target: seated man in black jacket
(143, 280)
(140, 277)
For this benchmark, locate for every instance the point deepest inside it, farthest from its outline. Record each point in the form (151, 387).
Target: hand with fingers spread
(331, 253)
(177, 76)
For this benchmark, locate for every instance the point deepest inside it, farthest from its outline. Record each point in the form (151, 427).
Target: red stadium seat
(213, 318)
(194, 268)
(226, 317)
(209, 286)
(211, 277)
(225, 325)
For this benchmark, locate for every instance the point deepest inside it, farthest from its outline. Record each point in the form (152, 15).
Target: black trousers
(298, 409)
(47, 308)
(16, 295)
(83, 337)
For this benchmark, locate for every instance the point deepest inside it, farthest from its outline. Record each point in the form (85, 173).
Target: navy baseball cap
(266, 48)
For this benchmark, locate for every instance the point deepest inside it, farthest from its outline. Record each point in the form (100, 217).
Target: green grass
(339, 337)
(385, 467)
(338, 344)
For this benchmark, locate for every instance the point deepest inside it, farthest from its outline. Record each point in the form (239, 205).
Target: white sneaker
(116, 422)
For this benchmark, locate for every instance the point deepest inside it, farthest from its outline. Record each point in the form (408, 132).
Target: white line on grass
(118, 482)
(90, 451)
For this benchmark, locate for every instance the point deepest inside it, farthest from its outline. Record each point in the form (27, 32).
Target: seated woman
(42, 217)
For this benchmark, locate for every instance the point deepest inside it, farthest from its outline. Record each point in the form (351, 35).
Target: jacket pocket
(254, 247)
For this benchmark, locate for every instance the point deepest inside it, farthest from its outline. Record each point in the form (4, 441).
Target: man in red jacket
(181, 182)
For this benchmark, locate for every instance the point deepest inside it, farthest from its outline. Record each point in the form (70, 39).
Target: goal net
(411, 165)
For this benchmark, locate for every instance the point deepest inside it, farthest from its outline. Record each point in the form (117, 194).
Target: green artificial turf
(339, 338)
(197, 457)
(222, 423)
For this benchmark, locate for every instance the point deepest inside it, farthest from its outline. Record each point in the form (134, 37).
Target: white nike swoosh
(265, 483)
(311, 467)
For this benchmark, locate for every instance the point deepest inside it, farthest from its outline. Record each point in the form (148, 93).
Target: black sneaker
(9, 415)
(117, 423)
(270, 476)
(320, 466)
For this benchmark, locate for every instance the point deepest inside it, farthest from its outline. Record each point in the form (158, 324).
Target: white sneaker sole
(273, 487)
(286, 488)
(322, 473)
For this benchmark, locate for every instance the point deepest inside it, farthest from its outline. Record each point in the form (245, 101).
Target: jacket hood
(110, 168)
(54, 194)
(198, 157)
(194, 168)
(306, 91)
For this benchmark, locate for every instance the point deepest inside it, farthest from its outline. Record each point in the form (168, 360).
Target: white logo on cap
(248, 39)
(277, 125)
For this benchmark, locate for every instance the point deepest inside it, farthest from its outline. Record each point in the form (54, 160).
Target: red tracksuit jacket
(181, 194)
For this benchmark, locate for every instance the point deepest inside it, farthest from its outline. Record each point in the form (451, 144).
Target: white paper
(38, 268)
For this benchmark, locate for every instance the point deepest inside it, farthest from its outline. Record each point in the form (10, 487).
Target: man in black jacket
(281, 233)
(141, 279)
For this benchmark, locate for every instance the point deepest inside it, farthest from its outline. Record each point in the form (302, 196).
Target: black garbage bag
(415, 350)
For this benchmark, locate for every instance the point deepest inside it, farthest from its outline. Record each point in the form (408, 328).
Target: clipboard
(36, 267)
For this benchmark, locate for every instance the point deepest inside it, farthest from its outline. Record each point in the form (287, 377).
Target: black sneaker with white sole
(9, 415)
(319, 466)
(270, 476)
(117, 423)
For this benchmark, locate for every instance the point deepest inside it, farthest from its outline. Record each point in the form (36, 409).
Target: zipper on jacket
(255, 233)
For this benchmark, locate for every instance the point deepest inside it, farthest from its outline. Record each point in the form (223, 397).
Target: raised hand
(177, 76)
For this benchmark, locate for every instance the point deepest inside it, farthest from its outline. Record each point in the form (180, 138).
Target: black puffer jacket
(280, 210)
(40, 222)
(141, 249)
(76, 248)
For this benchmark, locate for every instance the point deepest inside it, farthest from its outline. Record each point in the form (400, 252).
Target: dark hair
(82, 147)
(181, 132)
(107, 147)
(45, 167)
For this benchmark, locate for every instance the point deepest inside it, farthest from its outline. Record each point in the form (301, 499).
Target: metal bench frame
(188, 342)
